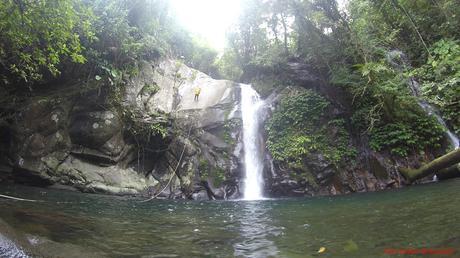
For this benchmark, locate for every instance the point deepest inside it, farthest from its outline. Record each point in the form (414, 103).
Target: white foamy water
(432, 111)
(250, 108)
(400, 61)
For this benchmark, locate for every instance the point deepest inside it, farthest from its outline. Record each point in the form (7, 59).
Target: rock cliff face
(85, 143)
(318, 175)
(205, 154)
(365, 171)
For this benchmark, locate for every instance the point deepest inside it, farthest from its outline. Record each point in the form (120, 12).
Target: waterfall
(399, 60)
(430, 110)
(250, 109)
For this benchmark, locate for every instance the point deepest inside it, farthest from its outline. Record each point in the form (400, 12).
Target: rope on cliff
(174, 172)
(17, 199)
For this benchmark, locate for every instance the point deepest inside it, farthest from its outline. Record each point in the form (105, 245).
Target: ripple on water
(280, 228)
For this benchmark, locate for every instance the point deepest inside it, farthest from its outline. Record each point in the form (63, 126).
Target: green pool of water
(358, 225)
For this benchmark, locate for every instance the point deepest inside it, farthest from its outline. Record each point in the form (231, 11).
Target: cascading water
(399, 60)
(250, 109)
(430, 110)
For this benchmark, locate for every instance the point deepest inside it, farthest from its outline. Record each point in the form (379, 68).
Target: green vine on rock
(299, 128)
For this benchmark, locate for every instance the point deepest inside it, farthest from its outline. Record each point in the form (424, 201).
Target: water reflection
(96, 225)
(256, 230)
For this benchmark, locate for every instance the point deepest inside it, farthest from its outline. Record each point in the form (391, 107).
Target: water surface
(357, 225)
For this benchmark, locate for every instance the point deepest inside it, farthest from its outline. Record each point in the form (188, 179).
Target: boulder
(93, 129)
(202, 195)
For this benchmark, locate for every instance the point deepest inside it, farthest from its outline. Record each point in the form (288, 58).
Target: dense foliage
(373, 50)
(440, 78)
(300, 126)
(419, 133)
(43, 38)
(37, 35)
(90, 45)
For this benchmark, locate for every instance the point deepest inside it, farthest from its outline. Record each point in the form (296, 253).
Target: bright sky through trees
(208, 18)
(211, 18)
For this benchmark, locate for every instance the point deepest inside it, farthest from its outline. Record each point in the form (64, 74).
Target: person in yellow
(197, 91)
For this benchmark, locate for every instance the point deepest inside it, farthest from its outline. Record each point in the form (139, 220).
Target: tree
(443, 162)
(38, 35)
(350, 49)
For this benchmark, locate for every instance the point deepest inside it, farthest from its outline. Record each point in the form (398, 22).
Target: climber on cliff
(197, 91)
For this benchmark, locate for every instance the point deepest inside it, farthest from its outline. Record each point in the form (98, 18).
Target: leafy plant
(300, 127)
(441, 80)
(38, 35)
(404, 138)
(206, 170)
(150, 89)
(145, 127)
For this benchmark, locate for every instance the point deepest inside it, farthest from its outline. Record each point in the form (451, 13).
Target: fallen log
(449, 172)
(443, 162)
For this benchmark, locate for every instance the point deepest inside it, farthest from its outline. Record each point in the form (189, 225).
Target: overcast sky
(210, 18)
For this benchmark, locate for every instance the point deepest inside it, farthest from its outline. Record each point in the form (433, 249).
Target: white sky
(211, 19)
(208, 18)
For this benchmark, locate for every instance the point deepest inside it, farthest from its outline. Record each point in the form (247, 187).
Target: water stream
(400, 61)
(253, 158)
(432, 111)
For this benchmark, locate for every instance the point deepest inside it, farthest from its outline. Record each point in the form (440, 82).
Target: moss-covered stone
(209, 172)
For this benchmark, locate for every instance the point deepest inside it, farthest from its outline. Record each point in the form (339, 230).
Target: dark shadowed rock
(202, 195)
(93, 129)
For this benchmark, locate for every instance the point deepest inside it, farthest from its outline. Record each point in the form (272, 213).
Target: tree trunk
(285, 35)
(412, 21)
(450, 172)
(273, 26)
(434, 166)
